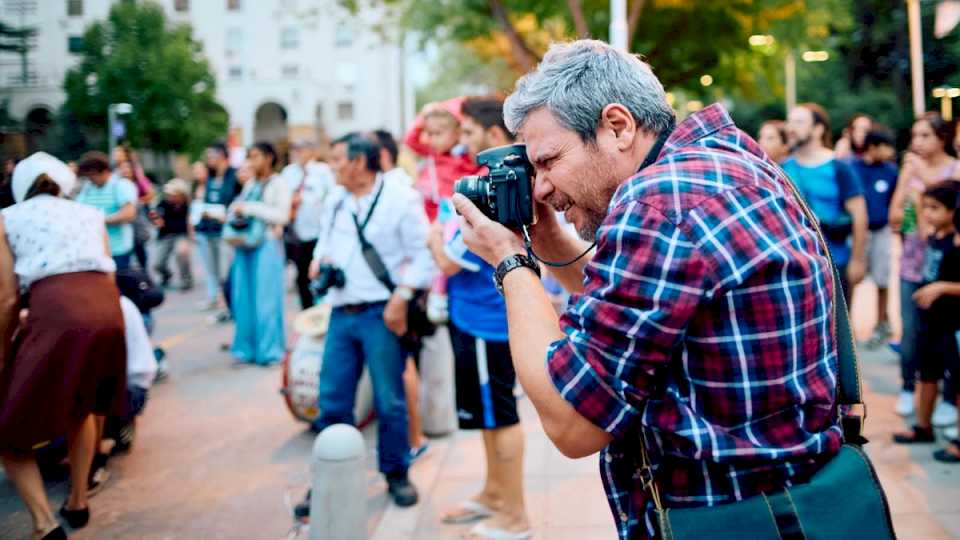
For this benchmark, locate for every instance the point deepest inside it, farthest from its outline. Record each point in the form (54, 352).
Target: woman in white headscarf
(66, 359)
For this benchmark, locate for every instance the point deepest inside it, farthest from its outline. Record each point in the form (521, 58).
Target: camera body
(505, 195)
(328, 277)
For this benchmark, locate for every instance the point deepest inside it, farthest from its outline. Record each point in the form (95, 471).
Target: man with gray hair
(701, 327)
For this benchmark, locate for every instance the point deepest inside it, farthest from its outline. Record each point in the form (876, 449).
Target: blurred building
(285, 68)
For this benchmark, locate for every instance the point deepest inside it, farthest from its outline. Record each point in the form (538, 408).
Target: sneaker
(945, 415)
(418, 452)
(402, 491)
(163, 371)
(880, 336)
(952, 433)
(99, 475)
(904, 404)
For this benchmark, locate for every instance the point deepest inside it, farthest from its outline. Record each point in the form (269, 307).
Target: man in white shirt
(388, 158)
(368, 319)
(310, 181)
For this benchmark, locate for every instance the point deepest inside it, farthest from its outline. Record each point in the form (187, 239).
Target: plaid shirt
(706, 327)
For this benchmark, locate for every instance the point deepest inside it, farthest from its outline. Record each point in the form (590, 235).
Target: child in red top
(435, 135)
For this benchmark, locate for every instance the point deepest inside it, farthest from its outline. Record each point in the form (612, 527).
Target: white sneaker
(952, 433)
(904, 404)
(945, 415)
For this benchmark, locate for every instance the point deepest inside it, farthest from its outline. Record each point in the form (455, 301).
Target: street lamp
(115, 130)
(761, 40)
(946, 95)
(815, 56)
(706, 80)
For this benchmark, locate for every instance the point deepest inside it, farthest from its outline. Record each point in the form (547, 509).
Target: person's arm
(552, 243)
(9, 296)
(857, 267)
(126, 214)
(899, 198)
(419, 271)
(275, 208)
(605, 355)
(438, 249)
(412, 139)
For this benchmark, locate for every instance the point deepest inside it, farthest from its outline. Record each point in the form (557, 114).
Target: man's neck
(222, 169)
(812, 153)
(364, 187)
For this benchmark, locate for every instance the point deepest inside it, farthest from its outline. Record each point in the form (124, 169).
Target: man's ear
(617, 120)
(497, 137)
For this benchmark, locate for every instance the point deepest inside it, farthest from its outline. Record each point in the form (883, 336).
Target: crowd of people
(865, 197)
(387, 254)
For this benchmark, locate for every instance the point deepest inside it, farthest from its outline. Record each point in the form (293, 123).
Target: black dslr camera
(328, 277)
(505, 195)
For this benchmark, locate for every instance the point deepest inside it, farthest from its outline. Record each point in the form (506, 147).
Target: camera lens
(475, 188)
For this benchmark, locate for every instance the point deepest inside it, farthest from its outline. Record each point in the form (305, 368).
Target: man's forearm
(534, 325)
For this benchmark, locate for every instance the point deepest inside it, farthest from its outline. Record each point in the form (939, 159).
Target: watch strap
(512, 263)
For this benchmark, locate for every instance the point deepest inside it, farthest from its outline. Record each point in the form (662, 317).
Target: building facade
(285, 68)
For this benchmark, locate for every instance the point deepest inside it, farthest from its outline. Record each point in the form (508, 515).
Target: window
(234, 42)
(289, 37)
(181, 5)
(345, 110)
(343, 36)
(75, 44)
(235, 73)
(75, 8)
(234, 5)
(15, 79)
(21, 7)
(290, 72)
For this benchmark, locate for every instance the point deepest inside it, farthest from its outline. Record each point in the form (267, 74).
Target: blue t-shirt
(474, 304)
(110, 198)
(827, 187)
(879, 181)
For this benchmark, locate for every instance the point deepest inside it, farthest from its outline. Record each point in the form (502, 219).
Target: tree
(135, 56)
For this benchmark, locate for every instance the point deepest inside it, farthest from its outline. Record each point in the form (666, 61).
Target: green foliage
(136, 57)
(459, 71)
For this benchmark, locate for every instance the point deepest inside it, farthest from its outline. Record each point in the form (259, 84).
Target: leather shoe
(402, 491)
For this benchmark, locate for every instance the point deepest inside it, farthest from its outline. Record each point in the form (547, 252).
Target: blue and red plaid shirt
(706, 327)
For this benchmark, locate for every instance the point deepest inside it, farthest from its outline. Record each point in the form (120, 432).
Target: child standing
(938, 300)
(174, 232)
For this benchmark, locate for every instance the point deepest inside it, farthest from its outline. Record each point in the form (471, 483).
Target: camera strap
(369, 252)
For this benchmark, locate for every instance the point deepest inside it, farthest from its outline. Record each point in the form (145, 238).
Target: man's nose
(542, 188)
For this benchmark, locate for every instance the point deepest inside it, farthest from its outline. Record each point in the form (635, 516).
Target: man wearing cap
(309, 181)
(116, 197)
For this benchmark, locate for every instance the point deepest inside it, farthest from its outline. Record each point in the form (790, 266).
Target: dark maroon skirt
(69, 361)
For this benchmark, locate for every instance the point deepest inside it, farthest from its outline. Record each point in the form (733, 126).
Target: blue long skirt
(257, 303)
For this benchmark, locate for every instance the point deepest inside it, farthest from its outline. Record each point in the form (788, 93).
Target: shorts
(878, 256)
(937, 348)
(485, 381)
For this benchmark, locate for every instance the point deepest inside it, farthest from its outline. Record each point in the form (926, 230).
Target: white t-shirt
(51, 236)
(141, 363)
(316, 186)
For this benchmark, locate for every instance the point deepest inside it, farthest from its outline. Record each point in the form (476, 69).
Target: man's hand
(928, 294)
(856, 271)
(395, 315)
(490, 240)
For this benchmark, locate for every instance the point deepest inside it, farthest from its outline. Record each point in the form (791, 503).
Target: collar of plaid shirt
(704, 326)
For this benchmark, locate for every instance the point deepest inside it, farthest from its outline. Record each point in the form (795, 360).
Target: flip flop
(473, 511)
(493, 533)
(946, 456)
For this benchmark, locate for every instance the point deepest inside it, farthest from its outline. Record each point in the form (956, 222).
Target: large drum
(301, 370)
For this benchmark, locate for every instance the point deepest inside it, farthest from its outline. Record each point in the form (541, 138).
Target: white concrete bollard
(437, 398)
(338, 503)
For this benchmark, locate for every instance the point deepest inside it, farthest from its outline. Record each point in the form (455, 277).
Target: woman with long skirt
(256, 276)
(62, 347)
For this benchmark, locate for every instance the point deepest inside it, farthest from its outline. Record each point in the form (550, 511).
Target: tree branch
(579, 21)
(634, 18)
(522, 54)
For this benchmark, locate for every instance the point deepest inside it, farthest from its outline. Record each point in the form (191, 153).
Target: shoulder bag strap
(852, 410)
(369, 253)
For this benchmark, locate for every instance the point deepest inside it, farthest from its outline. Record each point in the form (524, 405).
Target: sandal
(917, 435)
(944, 455)
(492, 533)
(467, 511)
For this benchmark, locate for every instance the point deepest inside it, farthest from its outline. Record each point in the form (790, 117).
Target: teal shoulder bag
(843, 500)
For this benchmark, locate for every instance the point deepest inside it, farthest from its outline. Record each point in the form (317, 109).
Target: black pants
(301, 255)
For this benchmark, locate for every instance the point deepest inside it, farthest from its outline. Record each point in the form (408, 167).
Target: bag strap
(369, 252)
(849, 398)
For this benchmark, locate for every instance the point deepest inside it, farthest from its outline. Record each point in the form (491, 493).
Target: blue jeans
(123, 261)
(208, 247)
(352, 339)
(908, 342)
